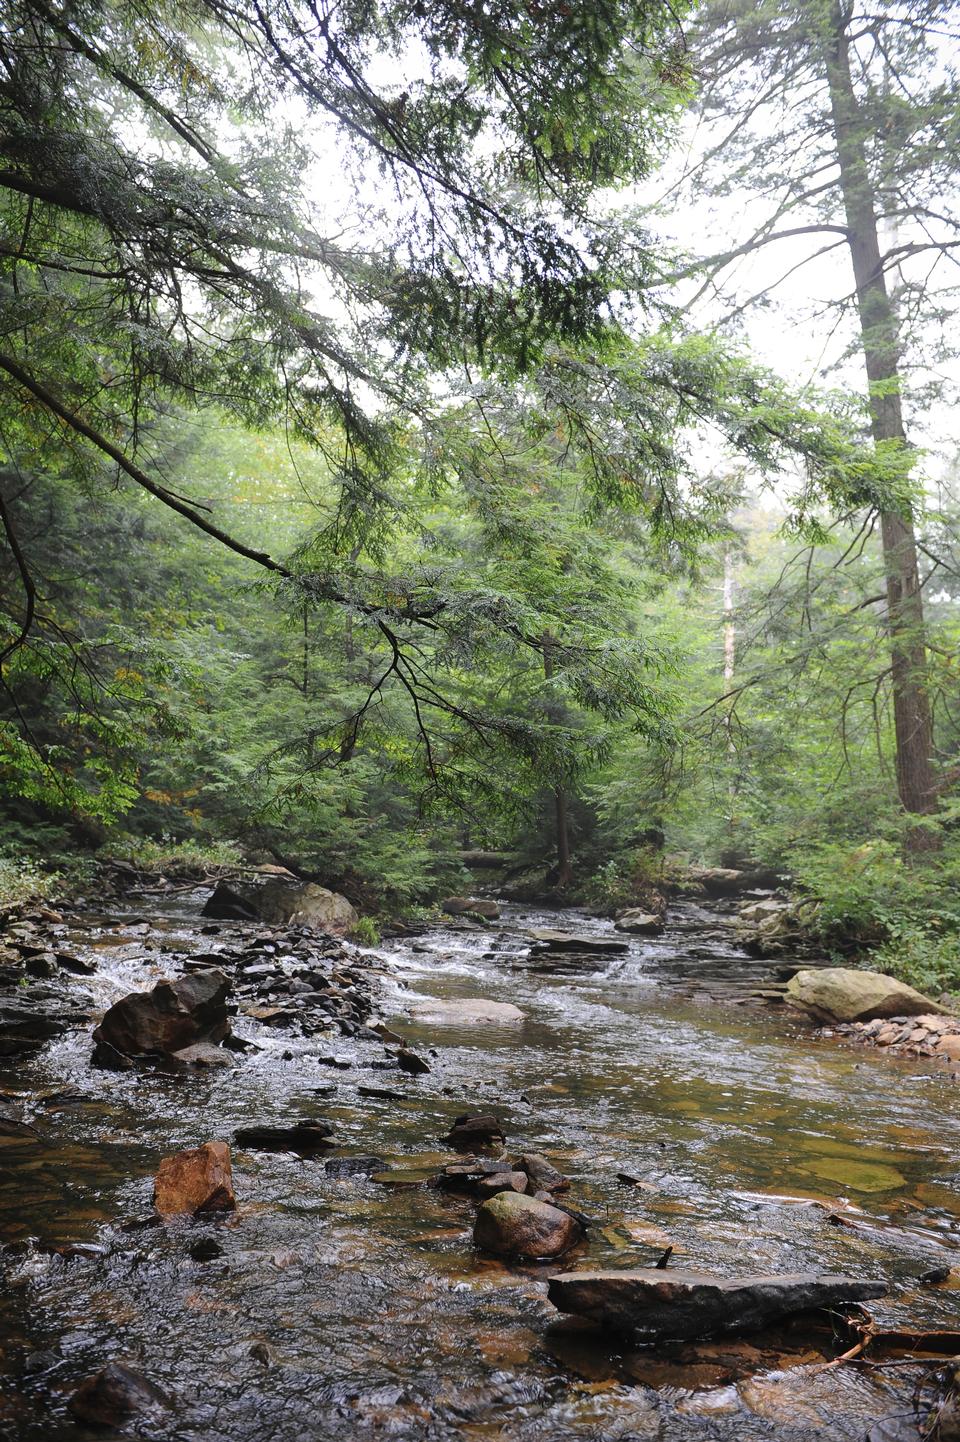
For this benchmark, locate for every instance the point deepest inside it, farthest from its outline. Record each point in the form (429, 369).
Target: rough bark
(913, 725)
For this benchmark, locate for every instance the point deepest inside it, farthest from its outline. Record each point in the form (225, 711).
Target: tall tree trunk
(561, 818)
(878, 329)
(729, 650)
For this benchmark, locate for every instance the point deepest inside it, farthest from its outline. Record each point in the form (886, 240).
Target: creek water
(326, 1308)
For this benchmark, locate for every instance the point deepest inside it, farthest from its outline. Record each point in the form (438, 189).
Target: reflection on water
(333, 1305)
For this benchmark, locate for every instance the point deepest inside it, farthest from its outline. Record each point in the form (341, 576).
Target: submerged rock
(195, 1181)
(682, 1305)
(302, 903)
(465, 1011)
(842, 993)
(114, 1394)
(514, 1225)
(345, 1167)
(171, 1017)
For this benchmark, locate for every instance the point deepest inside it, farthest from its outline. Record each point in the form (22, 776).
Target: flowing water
(327, 1308)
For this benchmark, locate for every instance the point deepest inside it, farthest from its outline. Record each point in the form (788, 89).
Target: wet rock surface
(842, 993)
(679, 1304)
(115, 1394)
(195, 1181)
(303, 1137)
(583, 942)
(512, 1224)
(173, 1016)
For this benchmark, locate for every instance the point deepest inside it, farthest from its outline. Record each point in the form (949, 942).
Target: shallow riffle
(329, 1306)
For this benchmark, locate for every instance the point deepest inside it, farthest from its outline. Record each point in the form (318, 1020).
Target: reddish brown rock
(174, 1015)
(195, 1181)
(514, 1225)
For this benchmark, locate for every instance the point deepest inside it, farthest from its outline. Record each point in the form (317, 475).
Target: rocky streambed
(345, 1293)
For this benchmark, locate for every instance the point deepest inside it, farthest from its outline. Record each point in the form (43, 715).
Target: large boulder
(173, 1016)
(195, 1181)
(680, 1305)
(279, 902)
(842, 993)
(515, 1225)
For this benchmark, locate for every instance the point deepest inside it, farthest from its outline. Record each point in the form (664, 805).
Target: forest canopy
(365, 478)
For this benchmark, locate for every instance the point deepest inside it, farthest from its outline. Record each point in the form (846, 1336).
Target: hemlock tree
(840, 122)
(241, 206)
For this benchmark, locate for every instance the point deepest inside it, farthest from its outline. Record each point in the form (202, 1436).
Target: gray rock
(543, 1174)
(514, 1225)
(639, 922)
(465, 1011)
(204, 1055)
(304, 904)
(680, 1305)
(497, 1182)
(470, 1131)
(345, 1167)
(841, 993)
(303, 1136)
(471, 906)
(577, 941)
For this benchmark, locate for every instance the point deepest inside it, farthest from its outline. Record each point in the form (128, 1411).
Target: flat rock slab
(465, 1011)
(577, 941)
(303, 1136)
(682, 1305)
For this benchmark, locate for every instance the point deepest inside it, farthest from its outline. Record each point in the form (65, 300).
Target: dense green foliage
(350, 525)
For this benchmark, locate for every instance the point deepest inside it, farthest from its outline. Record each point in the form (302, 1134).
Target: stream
(326, 1307)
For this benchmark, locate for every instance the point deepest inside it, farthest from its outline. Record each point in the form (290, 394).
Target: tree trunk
(561, 819)
(913, 725)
